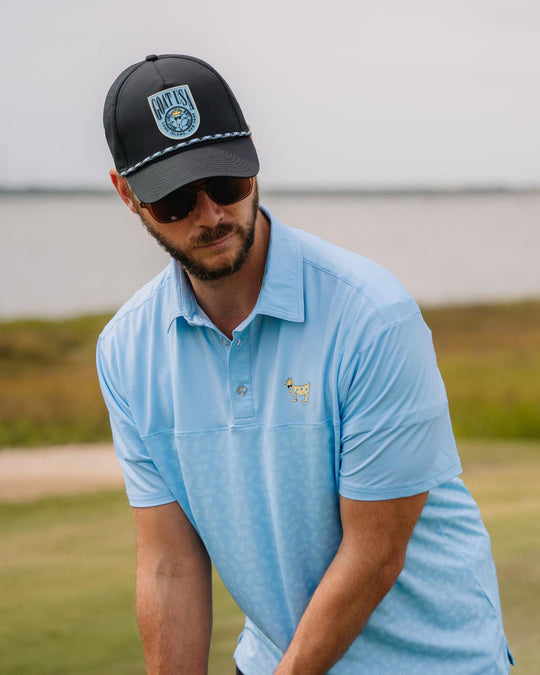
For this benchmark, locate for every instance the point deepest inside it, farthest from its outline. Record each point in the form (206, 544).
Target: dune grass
(49, 392)
(489, 357)
(67, 573)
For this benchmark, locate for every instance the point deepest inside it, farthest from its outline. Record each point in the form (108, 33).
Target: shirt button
(225, 342)
(241, 391)
(238, 342)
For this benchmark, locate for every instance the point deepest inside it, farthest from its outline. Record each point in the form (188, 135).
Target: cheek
(163, 233)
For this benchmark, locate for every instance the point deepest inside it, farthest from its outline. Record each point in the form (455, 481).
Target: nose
(207, 213)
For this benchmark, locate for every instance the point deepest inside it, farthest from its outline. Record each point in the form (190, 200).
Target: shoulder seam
(388, 326)
(376, 334)
(376, 307)
(330, 273)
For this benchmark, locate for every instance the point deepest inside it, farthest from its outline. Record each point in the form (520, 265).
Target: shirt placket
(240, 383)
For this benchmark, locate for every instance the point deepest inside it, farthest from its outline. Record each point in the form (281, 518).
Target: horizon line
(303, 191)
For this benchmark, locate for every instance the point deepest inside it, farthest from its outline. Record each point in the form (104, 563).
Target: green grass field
(67, 590)
(489, 357)
(49, 393)
(67, 564)
(67, 573)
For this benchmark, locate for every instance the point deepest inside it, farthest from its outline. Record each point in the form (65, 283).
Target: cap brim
(233, 157)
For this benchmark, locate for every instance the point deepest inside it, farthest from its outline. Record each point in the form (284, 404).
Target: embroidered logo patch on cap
(175, 112)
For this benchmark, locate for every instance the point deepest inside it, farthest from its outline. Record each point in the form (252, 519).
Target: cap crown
(165, 104)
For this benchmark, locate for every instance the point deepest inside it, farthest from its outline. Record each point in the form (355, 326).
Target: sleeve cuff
(380, 493)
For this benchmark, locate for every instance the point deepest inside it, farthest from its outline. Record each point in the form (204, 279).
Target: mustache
(213, 234)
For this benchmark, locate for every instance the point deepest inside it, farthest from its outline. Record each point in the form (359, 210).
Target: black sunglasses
(179, 204)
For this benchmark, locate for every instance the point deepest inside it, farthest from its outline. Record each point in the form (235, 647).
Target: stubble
(199, 269)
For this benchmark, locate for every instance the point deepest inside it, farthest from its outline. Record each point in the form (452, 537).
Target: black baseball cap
(171, 120)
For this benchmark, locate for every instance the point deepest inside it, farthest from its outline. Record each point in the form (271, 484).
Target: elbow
(379, 571)
(390, 569)
(395, 567)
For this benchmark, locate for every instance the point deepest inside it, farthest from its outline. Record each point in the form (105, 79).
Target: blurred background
(407, 132)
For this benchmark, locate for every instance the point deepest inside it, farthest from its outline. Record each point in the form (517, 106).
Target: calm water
(76, 254)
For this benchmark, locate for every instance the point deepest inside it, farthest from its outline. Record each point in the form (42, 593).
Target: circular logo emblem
(178, 119)
(175, 112)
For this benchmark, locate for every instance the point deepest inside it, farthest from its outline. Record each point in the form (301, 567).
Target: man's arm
(174, 592)
(367, 563)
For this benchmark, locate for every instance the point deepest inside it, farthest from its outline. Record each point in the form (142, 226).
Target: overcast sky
(359, 94)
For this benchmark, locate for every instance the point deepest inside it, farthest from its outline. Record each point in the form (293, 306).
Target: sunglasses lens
(180, 203)
(174, 206)
(224, 190)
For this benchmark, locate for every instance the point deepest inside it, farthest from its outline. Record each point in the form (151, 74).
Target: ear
(122, 187)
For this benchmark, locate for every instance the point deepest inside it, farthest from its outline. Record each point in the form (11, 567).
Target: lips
(215, 236)
(219, 242)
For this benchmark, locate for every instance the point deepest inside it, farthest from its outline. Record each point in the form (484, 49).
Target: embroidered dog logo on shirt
(296, 390)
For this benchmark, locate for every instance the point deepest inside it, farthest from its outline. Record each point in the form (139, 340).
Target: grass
(67, 591)
(67, 573)
(504, 477)
(489, 357)
(49, 392)
(67, 564)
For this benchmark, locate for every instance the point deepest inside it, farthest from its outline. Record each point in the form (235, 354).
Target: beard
(200, 270)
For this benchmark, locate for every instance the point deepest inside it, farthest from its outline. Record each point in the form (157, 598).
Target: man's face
(213, 241)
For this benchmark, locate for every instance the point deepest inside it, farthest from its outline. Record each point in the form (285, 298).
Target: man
(277, 409)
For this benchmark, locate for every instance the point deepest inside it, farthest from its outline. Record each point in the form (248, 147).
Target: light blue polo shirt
(329, 387)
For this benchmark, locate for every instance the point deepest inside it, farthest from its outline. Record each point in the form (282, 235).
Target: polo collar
(282, 291)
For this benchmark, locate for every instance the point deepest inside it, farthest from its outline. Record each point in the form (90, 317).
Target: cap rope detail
(192, 141)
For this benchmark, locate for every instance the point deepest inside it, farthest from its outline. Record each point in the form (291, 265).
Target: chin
(204, 272)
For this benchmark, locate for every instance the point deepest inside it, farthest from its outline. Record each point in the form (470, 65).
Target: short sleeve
(144, 484)
(396, 434)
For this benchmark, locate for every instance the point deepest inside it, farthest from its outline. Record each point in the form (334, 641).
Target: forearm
(339, 609)
(174, 613)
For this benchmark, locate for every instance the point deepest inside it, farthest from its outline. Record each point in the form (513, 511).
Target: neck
(228, 301)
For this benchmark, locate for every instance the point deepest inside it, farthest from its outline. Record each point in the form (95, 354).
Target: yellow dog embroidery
(296, 390)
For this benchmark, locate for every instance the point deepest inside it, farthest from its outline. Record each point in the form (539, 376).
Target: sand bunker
(69, 469)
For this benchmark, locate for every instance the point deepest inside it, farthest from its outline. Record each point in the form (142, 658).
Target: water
(67, 255)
